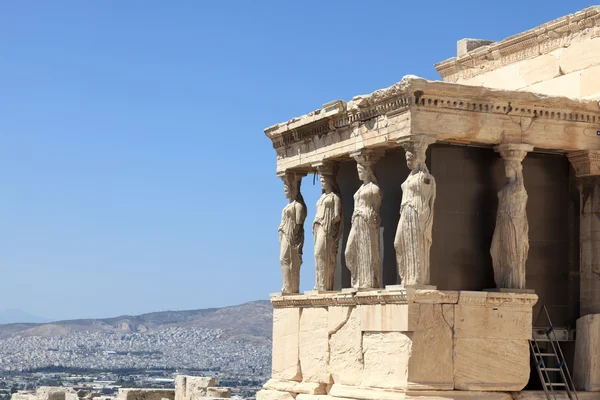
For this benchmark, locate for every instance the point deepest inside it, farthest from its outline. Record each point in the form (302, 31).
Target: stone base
(387, 342)
(508, 290)
(586, 371)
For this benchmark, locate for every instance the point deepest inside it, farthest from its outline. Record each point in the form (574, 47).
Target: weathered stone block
(286, 328)
(195, 386)
(345, 345)
(491, 364)
(274, 395)
(580, 55)
(567, 85)
(538, 69)
(430, 366)
(296, 387)
(180, 391)
(53, 393)
(386, 359)
(388, 317)
(586, 371)
(218, 392)
(146, 394)
(590, 82)
(314, 345)
(349, 392)
(492, 322)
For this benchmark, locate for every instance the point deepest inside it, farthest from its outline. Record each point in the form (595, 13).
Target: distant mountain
(18, 316)
(247, 321)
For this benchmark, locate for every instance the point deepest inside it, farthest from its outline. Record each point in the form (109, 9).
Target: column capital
(513, 151)
(325, 167)
(290, 174)
(412, 141)
(585, 162)
(367, 156)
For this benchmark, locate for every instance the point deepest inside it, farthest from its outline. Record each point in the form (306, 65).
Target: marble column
(510, 243)
(586, 372)
(363, 247)
(328, 226)
(291, 232)
(413, 234)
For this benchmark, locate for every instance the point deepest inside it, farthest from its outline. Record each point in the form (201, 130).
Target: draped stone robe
(362, 249)
(413, 235)
(327, 235)
(510, 243)
(291, 241)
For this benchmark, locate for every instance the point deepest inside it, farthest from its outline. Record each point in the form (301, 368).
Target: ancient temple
(454, 214)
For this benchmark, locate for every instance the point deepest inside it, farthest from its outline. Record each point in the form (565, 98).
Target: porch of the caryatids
(510, 243)
(414, 232)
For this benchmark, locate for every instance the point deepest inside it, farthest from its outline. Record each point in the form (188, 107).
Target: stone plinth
(146, 394)
(586, 372)
(386, 342)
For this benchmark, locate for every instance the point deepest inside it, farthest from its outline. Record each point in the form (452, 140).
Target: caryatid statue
(327, 228)
(362, 249)
(413, 235)
(291, 233)
(510, 243)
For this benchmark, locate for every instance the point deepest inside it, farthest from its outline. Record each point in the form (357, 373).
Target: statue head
(365, 172)
(512, 168)
(415, 155)
(290, 186)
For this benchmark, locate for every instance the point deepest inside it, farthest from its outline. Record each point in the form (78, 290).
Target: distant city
(143, 351)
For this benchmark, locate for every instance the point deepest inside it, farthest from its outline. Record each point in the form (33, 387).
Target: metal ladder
(544, 371)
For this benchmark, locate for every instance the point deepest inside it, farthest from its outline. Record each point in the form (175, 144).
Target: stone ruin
(412, 303)
(186, 388)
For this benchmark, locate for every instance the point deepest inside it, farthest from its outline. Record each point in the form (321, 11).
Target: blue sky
(134, 172)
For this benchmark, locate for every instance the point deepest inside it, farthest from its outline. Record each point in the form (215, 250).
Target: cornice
(417, 94)
(540, 40)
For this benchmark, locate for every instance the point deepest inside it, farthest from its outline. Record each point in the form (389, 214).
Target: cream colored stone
(195, 386)
(491, 364)
(316, 397)
(507, 78)
(52, 393)
(274, 395)
(580, 55)
(23, 396)
(291, 233)
(414, 232)
(362, 249)
(146, 394)
(296, 387)
(386, 359)
(590, 82)
(180, 391)
(457, 395)
(345, 345)
(493, 322)
(510, 243)
(362, 393)
(538, 69)
(586, 371)
(328, 227)
(218, 392)
(566, 85)
(560, 395)
(388, 317)
(314, 345)
(433, 296)
(431, 362)
(286, 329)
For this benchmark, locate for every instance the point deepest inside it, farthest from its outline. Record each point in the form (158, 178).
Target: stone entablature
(448, 112)
(541, 40)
